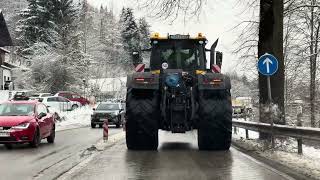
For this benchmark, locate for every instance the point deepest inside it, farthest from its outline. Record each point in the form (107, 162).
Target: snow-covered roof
(5, 38)
(5, 50)
(5, 67)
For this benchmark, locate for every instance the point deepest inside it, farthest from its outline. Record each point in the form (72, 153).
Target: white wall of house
(4, 95)
(1, 78)
(6, 75)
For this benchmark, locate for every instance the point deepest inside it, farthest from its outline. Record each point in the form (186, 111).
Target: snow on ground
(285, 153)
(80, 117)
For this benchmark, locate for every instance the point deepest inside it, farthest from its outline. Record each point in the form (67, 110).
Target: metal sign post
(268, 66)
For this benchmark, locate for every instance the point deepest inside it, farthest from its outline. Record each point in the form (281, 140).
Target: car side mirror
(41, 115)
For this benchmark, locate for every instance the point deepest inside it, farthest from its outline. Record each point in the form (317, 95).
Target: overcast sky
(216, 21)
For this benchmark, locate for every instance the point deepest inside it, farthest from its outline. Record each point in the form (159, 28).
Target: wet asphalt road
(177, 158)
(49, 160)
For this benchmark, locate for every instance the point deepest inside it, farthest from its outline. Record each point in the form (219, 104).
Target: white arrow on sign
(267, 62)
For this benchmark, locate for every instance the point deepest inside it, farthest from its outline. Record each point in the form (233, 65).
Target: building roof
(4, 50)
(8, 65)
(5, 38)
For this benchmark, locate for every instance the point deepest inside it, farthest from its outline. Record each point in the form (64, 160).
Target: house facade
(5, 71)
(5, 67)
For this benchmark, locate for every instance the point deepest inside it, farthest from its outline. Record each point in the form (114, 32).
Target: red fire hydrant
(105, 130)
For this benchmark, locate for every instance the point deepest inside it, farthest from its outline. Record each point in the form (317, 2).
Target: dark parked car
(113, 112)
(73, 97)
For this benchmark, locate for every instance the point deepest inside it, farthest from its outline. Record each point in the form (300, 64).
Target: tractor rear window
(186, 55)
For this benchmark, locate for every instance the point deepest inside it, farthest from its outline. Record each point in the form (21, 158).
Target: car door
(53, 103)
(47, 120)
(42, 120)
(64, 103)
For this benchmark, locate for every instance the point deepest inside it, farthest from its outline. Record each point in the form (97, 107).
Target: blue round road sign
(268, 65)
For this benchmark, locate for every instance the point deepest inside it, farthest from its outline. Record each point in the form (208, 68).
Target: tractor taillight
(139, 79)
(213, 81)
(143, 80)
(216, 82)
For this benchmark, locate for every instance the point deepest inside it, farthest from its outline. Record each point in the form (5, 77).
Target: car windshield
(16, 109)
(108, 107)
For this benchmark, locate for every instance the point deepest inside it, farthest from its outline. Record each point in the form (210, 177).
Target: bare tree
(171, 9)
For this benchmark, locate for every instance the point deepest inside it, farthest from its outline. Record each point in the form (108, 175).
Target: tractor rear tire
(142, 120)
(215, 126)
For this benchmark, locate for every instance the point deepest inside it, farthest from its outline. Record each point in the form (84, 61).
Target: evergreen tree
(102, 19)
(34, 27)
(144, 30)
(129, 31)
(85, 23)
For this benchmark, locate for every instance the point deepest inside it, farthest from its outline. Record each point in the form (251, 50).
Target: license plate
(4, 134)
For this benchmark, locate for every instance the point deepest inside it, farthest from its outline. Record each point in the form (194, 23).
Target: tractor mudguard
(213, 81)
(143, 80)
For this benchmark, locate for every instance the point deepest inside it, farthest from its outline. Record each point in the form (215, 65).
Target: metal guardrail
(280, 131)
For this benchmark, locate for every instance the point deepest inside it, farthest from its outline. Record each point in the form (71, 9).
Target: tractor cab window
(178, 55)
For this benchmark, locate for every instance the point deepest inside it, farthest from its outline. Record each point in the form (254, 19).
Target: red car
(73, 97)
(25, 122)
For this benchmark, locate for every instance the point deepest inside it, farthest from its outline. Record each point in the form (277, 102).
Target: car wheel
(93, 125)
(52, 136)
(36, 139)
(73, 107)
(8, 146)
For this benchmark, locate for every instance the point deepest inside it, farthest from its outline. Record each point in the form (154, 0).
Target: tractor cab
(180, 52)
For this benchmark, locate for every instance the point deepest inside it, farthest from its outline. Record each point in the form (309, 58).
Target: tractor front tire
(142, 120)
(215, 126)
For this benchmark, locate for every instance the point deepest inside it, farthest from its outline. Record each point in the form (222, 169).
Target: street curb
(100, 146)
(72, 128)
(271, 163)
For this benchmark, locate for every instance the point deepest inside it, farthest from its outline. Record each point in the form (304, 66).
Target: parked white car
(58, 103)
(41, 95)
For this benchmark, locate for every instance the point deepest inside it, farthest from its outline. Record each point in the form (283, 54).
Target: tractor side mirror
(136, 57)
(219, 57)
(213, 53)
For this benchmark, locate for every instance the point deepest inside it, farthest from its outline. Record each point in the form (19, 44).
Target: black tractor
(178, 93)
